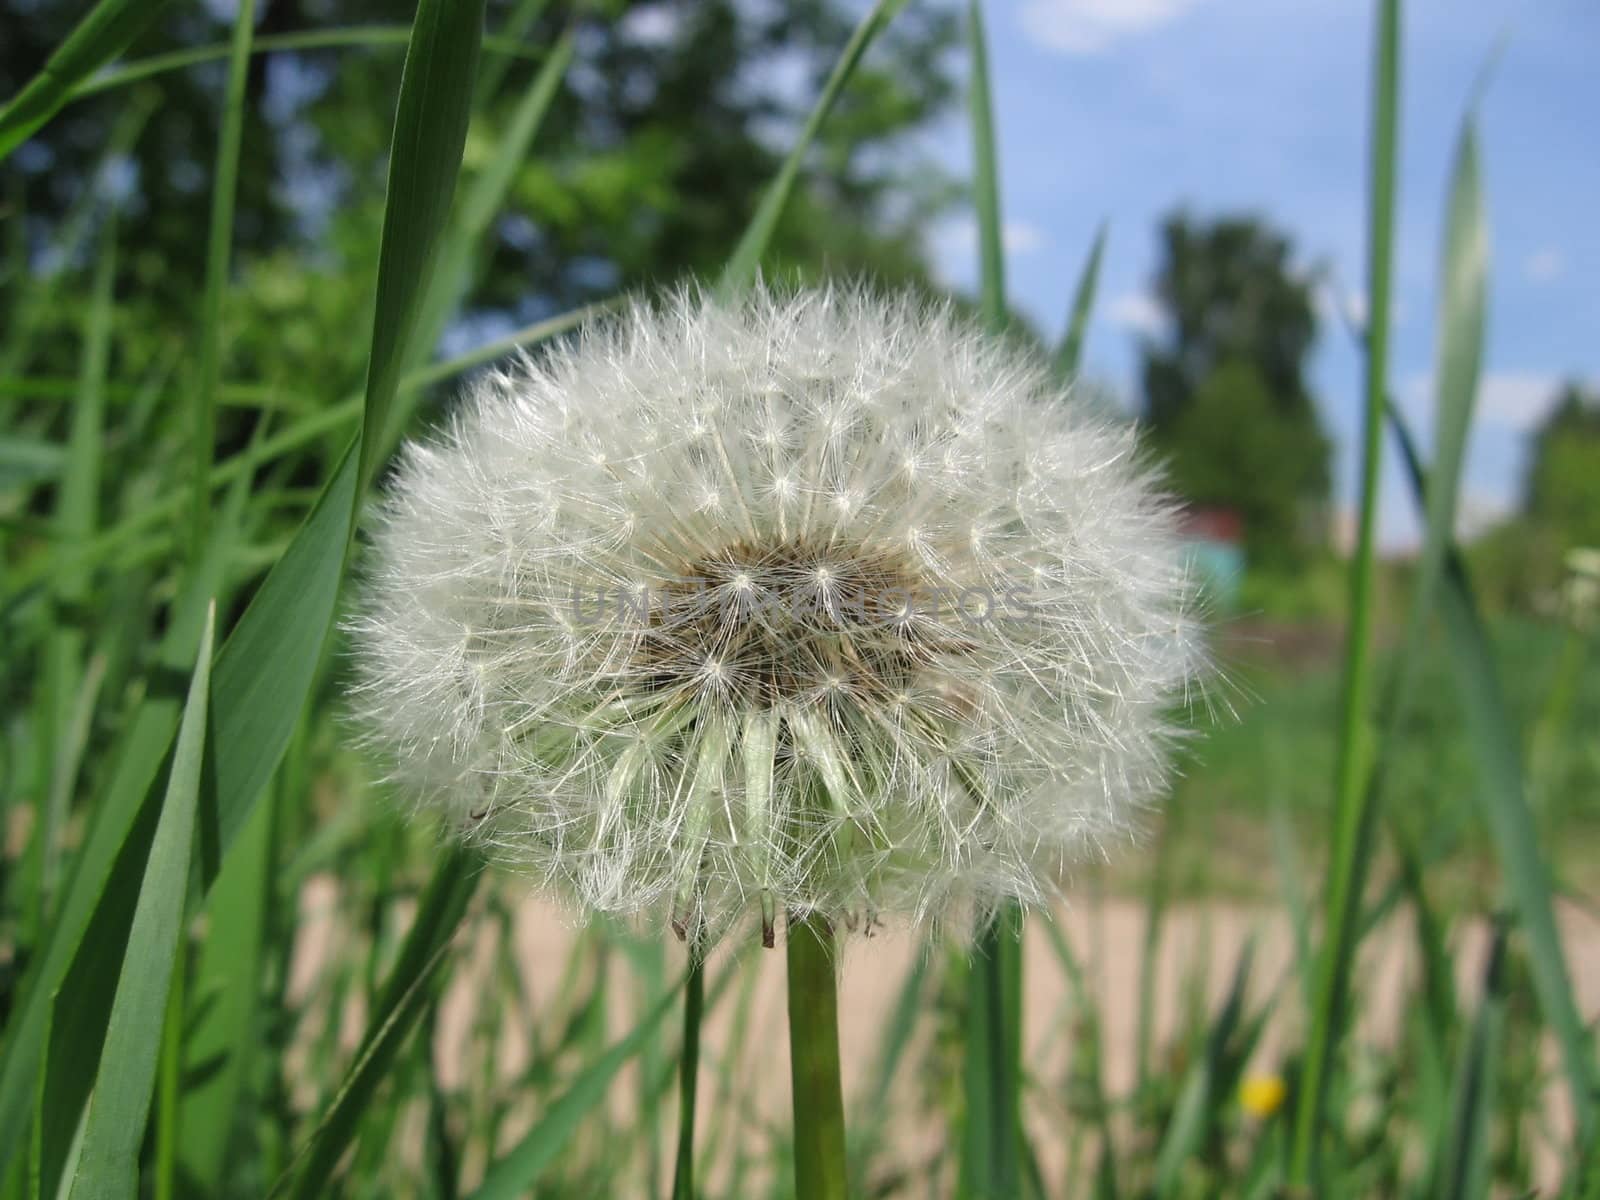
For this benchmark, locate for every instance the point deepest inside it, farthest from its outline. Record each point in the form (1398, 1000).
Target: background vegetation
(227, 967)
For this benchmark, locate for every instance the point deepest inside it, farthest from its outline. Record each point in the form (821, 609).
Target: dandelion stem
(819, 1157)
(694, 995)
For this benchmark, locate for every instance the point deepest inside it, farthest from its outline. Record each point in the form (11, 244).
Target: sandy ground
(1200, 945)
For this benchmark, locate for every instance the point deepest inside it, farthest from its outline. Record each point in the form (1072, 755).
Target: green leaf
(1071, 351)
(98, 38)
(1198, 1109)
(231, 969)
(430, 129)
(453, 275)
(264, 671)
(1464, 1166)
(219, 248)
(403, 998)
(507, 48)
(992, 1154)
(513, 1175)
(745, 261)
(1503, 798)
(1352, 812)
(986, 177)
(115, 1123)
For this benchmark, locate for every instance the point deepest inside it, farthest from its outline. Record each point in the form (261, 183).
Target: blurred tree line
(1225, 392)
(1523, 562)
(668, 124)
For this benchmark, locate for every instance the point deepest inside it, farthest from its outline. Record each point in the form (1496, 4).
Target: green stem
(819, 1159)
(694, 998)
(1352, 829)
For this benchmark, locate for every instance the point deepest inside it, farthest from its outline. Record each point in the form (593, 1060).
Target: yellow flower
(1262, 1095)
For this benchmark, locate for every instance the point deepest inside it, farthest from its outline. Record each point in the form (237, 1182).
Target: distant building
(1214, 540)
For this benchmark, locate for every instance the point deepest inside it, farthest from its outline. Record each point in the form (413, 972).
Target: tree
(1224, 384)
(1562, 492)
(669, 124)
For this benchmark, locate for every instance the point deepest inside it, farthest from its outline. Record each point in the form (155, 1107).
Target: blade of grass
(262, 675)
(992, 1148)
(1071, 350)
(430, 129)
(232, 966)
(304, 430)
(514, 1174)
(745, 261)
(219, 251)
(1198, 1111)
(75, 519)
(402, 1000)
(505, 48)
(694, 998)
(115, 1123)
(1352, 822)
(1502, 795)
(1464, 1167)
(986, 177)
(452, 277)
(96, 40)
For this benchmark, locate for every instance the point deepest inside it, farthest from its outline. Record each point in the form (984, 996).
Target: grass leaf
(514, 1174)
(97, 39)
(1352, 813)
(219, 247)
(745, 261)
(430, 129)
(114, 1126)
(1070, 353)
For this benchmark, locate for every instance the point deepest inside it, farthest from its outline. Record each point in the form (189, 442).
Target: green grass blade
(430, 129)
(231, 969)
(505, 48)
(986, 177)
(219, 251)
(1070, 353)
(452, 276)
(1464, 1173)
(64, 1001)
(402, 1000)
(301, 432)
(1352, 814)
(745, 261)
(992, 1152)
(114, 1126)
(694, 999)
(1198, 1110)
(97, 39)
(514, 1174)
(263, 673)
(1503, 796)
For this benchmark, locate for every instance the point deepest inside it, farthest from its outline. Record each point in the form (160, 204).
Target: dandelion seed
(893, 626)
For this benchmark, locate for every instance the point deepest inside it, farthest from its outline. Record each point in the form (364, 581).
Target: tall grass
(179, 795)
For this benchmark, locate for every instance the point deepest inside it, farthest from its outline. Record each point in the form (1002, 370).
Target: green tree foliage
(1235, 447)
(650, 162)
(1224, 384)
(1563, 484)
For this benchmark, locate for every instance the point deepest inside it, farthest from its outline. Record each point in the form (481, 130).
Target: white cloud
(958, 238)
(1517, 401)
(1138, 312)
(1544, 265)
(1092, 26)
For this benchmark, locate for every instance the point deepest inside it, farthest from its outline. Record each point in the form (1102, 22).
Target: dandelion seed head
(820, 602)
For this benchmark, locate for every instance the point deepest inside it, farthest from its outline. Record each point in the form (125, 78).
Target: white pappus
(818, 601)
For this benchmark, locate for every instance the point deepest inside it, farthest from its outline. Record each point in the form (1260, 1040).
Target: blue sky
(1123, 110)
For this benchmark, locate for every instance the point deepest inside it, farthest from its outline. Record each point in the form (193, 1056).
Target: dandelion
(1262, 1095)
(818, 603)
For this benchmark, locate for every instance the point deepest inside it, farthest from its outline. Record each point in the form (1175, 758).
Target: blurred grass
(328, 939)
